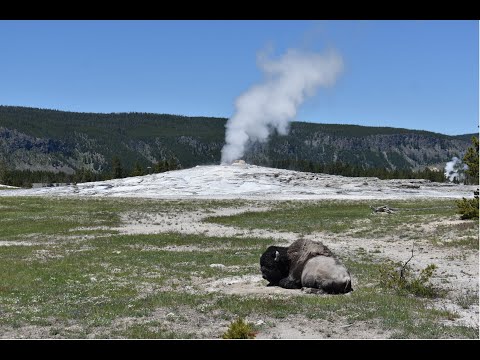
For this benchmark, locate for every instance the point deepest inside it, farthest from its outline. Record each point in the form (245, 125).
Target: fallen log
(385, 209)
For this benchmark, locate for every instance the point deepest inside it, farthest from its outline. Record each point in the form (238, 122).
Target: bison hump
(303, 249)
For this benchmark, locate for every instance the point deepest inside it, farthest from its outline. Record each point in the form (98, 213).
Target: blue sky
(410, 74)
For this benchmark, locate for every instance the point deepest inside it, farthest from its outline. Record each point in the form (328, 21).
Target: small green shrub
(239, 329)
(468, 207)
(406, 282)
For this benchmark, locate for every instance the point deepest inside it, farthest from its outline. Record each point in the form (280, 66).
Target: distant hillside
(39, 139)
(368, 147)
(466, 137)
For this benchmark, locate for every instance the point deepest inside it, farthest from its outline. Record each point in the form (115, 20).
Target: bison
(305, 264)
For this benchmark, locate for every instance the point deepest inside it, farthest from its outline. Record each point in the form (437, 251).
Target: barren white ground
(7, 187)
(253, 182)
(458, 270)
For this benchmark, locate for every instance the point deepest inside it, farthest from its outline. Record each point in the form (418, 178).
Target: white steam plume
(455, 169)
(273, 104)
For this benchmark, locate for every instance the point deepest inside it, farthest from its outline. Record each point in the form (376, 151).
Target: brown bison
(305, 264)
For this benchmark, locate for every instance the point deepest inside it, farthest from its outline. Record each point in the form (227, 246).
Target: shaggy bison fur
(305, 264)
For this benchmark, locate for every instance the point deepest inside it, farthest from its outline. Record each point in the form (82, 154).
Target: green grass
(302, 218)
(467, 300)
(355, 219)
(468, 242)
(95, 283)
(20, 216)
(459, 235)
(26, 216)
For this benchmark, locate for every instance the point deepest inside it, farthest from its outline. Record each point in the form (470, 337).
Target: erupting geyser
(455, 169)
(273, 104)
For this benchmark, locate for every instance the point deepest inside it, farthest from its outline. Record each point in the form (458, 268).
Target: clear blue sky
(410, 74)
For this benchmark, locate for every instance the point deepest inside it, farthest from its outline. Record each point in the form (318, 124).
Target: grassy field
(68, 272)
(355, 218)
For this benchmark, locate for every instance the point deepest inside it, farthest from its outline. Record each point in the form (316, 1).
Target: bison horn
(277, 256)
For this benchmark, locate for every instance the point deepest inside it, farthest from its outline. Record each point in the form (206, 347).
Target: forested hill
(52, 140)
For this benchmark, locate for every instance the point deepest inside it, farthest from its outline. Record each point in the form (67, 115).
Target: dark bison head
(274, 264)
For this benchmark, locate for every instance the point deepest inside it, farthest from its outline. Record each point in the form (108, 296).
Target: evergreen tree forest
(26, 178)
(345, 169)
(85, 147)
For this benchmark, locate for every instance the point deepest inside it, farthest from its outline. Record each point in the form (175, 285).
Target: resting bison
(305, 263)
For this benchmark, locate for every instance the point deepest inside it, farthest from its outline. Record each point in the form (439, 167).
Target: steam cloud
(455, 169)
(273, 104)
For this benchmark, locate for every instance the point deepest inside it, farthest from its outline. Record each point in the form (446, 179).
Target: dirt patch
(45, 255)
(184, 321)
(25, 332)
(463, 316)
(90, 228)
(180, 248)
(300, 327)
(19, 243)
(191, 222)
(247, 285)
(457, 268)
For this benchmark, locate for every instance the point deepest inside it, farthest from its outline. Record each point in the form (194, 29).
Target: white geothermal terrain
(7, 187)
(242, 180)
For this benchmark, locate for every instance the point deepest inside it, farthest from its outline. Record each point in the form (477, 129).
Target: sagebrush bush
(239, 329)
(406, 281)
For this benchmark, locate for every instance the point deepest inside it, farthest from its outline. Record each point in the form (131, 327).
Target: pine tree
(160, 167)
(117, 170)
(137, 170)
(469, 207)
(3, 172)
(471, 159)
(173, 164)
